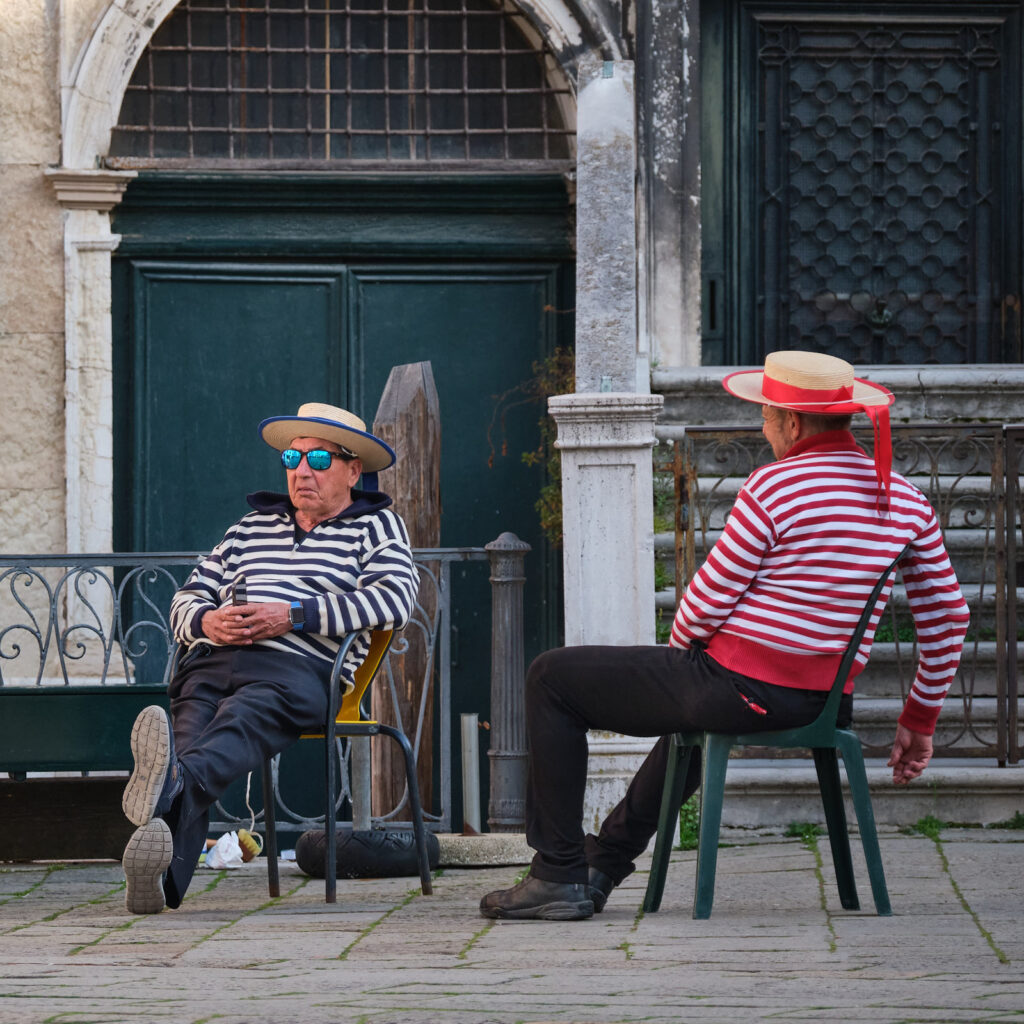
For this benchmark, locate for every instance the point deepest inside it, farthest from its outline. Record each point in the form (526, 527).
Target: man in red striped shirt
(758, 635)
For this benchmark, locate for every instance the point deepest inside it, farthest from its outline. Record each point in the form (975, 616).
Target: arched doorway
(323, 192)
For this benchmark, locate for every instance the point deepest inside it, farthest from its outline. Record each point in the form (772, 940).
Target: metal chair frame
(344, 718)
(824, 738)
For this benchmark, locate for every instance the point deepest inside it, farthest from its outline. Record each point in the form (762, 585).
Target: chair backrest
(830, 711)
(380, 641)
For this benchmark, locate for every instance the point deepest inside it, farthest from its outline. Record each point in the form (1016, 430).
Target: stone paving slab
(778, 946)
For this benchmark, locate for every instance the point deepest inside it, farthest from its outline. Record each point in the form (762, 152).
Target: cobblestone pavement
(778, 946)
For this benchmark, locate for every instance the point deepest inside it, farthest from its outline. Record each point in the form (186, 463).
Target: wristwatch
(296, 616)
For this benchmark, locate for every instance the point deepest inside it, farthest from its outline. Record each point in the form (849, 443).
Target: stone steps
(774, 793)
(962, 791)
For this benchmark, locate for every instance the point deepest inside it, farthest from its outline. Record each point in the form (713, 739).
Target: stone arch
(100, 77)
(87, 192)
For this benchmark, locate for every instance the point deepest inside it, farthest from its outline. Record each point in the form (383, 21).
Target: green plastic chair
(824, 738)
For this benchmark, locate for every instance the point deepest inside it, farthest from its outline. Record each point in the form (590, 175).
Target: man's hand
(910, 755)
(241, 624)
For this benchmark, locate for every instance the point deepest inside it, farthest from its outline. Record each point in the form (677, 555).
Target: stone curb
(492, 849)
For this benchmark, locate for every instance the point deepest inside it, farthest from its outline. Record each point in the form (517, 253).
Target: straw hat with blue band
(822, 385)
(314, 419)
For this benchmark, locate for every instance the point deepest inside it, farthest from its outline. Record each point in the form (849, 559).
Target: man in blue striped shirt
(261, 620)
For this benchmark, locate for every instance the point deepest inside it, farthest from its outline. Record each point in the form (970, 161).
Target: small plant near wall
(555, 375)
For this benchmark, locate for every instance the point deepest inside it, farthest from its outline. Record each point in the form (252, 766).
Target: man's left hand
(910, 755)
(251, 622)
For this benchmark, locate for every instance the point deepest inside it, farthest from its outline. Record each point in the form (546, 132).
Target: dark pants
(231, 709)
(639, 691)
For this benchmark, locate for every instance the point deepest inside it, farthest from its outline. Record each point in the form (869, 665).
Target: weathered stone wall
(31, 281)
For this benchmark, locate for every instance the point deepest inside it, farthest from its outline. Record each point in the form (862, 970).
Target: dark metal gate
(870, 166)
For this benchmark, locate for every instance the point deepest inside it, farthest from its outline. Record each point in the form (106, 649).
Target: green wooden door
(223, 319)
(214, 348)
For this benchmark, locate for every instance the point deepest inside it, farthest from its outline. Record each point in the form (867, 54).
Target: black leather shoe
(535, 898)
(600, 886)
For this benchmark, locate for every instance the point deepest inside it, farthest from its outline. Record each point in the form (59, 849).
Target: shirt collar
(827, 441)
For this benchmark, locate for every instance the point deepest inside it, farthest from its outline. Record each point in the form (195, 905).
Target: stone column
(605, 442)
(606, 249)
(87, 198)
(606, 429)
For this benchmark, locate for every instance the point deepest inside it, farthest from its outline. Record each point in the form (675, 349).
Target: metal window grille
(880, 190)
(310, 81)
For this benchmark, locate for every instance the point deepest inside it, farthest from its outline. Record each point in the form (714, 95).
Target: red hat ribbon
(879, 416)
(779, 391)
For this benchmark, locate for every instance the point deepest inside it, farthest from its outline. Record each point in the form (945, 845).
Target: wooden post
(409, 419)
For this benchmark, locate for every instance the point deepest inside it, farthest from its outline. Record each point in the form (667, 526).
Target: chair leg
(419, 831)
(853, 759)
(715, 761)
(270, 825)
(668, 823)
(330, 820)
(826, 764)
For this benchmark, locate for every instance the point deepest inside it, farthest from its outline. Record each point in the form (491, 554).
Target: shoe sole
(146, 857)
(151, 748)
(560, 911)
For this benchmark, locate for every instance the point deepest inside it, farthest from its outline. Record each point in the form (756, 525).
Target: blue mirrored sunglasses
(317, 458)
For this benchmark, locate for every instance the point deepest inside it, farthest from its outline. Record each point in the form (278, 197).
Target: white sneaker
(146, 857)
(155, 779)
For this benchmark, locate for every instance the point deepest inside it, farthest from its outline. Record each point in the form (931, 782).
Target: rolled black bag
(377, 853)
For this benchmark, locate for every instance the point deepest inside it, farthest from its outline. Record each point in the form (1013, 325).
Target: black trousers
(639, 691)
(231, 709)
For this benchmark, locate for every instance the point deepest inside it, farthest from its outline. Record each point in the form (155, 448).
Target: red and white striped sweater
(781, 592)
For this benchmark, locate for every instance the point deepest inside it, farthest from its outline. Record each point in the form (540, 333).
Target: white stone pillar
(606, 429)
(606, 246)
(605, 441)
(87, 198)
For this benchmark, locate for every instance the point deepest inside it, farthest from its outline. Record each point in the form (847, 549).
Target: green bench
(85, 644)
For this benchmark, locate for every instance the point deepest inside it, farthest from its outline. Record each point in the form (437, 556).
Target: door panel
(481, 328)
(216, 348)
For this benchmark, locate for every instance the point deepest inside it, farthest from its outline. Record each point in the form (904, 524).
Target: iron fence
(971, 475)
(102, 620)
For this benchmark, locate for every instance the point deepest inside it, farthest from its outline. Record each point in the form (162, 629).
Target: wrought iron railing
(68, 620)
(971, 475)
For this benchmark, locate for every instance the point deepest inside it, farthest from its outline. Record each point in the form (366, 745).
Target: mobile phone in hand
(238, 591)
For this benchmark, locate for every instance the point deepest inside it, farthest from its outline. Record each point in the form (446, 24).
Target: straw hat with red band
(343, 428)
(812, 382)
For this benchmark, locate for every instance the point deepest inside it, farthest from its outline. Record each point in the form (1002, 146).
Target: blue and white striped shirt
(354, 572)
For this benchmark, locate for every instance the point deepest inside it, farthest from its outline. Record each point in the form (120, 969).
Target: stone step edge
(773, 794)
